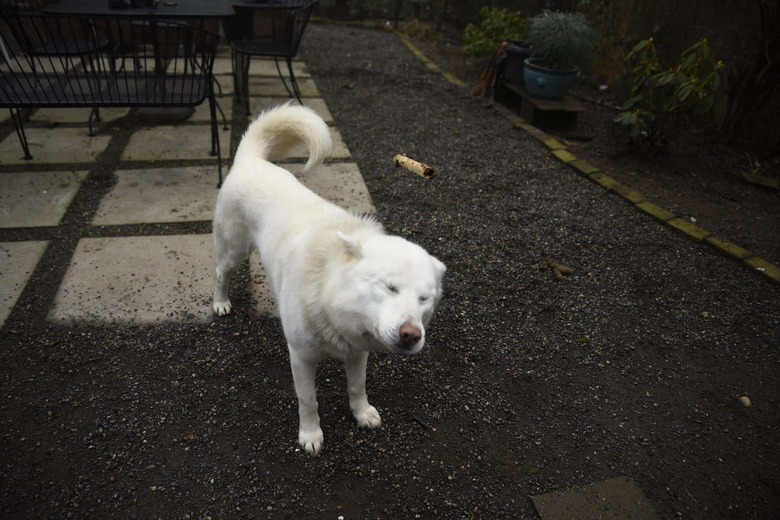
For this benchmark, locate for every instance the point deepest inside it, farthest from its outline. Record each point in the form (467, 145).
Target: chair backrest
(40, 35)
(274, 30)
(299, 18)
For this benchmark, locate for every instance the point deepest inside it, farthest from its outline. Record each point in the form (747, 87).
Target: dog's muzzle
(409, 337)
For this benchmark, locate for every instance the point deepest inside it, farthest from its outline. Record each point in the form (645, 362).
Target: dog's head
(390, 288)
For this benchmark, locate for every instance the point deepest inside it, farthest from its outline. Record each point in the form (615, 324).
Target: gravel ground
(632, 366)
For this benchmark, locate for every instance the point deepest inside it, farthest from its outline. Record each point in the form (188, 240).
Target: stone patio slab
(54, 145)
(273, 86)
(258, 104)
(159, 195)
(17, 263)
(202, 113)
(37, 199)
(77, 115)
(340, 183)
(265, 67)
(138, 280)
(175, 142)
(223, 87)
(617, 498)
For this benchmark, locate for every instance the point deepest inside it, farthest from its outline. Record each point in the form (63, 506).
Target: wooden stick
(421, 169)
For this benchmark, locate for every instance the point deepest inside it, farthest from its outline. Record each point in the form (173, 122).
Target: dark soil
(632, 366)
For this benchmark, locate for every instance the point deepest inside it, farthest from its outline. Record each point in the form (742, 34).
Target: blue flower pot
(548, 83)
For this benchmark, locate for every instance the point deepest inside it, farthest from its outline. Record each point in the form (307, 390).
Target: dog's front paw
(311, 441)
(368, 417)
(222, 308)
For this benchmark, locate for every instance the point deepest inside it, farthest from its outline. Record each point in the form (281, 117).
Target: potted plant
(559, 42)
(516, 53)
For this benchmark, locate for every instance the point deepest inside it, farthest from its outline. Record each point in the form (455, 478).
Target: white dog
(342, 285)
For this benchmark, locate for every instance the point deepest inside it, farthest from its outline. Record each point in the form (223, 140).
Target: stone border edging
(592, 173)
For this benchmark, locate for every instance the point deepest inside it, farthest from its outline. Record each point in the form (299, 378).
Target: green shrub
(497, 25)
(691, 89)
(560, 40)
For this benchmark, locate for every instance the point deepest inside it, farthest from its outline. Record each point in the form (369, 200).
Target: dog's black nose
(409, 334)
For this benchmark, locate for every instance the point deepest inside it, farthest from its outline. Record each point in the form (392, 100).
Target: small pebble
(745, 400)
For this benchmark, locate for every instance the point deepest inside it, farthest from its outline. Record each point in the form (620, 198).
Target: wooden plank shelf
(551, 113)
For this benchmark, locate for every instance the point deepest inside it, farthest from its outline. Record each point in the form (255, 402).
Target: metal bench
(57, 61)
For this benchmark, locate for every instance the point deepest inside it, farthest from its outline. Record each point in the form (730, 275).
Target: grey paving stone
(340, 183)
(159, 195)
(258, 104)
(17, 263)
(175, 142)
(77, 115)
(54, 145)
(614, 499)
(272, 86)
(35, 199)
(138, 280)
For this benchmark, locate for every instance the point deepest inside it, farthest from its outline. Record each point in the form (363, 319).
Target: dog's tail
(279, 129)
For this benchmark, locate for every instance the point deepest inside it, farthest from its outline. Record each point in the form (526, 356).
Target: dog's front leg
(365, 414)
(310, 435)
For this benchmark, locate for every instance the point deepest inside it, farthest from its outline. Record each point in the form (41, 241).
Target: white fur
(343, 286)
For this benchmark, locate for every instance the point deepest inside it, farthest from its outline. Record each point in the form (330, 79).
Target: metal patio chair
(65, 42)
(276, 33)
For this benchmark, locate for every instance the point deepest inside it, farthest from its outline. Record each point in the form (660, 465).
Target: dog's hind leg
(229, 257)
(366, 415)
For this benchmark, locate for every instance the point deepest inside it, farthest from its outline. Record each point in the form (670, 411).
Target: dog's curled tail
(279, 129)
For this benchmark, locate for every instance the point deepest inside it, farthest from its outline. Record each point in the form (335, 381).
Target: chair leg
(94, 115)
(245, 79)
(237, 85)
(281, 76)
(294, 80)
(224, 119)
(293, 89)
(16, 116)
(215, 145)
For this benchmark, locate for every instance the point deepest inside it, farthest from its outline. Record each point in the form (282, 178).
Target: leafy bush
(560, 40)
(692, 88)
(497, 25)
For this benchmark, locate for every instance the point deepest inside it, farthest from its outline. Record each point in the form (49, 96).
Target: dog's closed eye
(391, 287)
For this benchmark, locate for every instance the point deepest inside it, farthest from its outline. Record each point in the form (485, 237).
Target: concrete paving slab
(138, 280)
(77, 115)
(17, 263)
(54, 145)
(264, 67)
(258, 104)
(273, 86)
(202, 112)
(618, 499)
(340, 183)
(36, 199)
(159, 195)
(174, 142)
(260, 67)
(223, 87)
(223, 66)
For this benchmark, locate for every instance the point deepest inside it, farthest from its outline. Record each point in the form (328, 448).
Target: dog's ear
(439, 266)
(351, 246)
